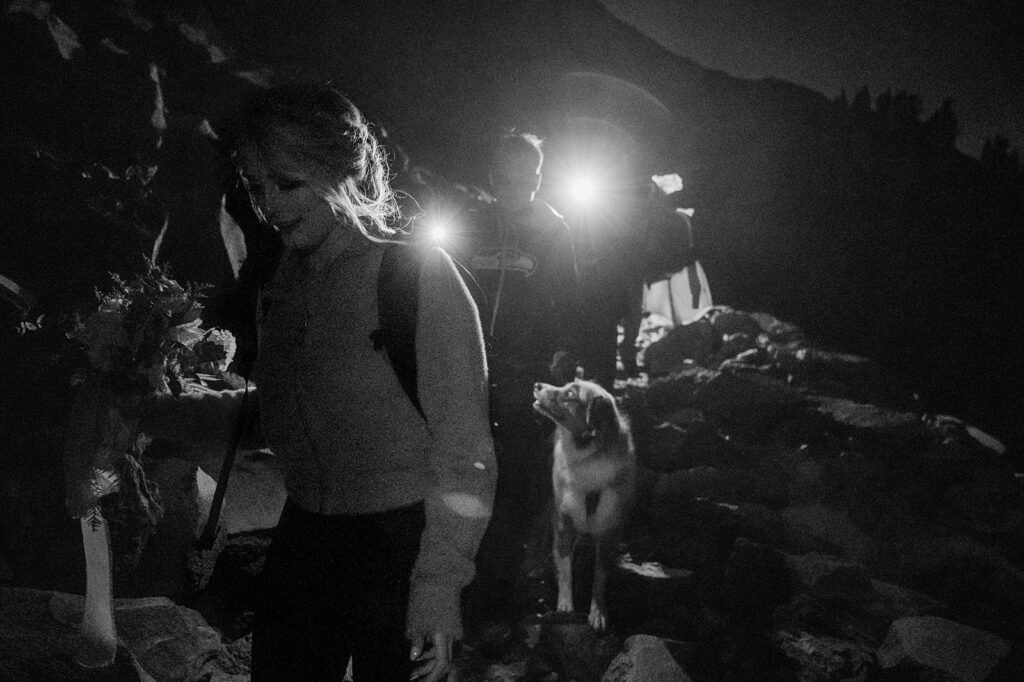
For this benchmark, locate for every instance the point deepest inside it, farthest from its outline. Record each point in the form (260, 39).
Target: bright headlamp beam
(437, 231)
(582, 190)
(437, 228)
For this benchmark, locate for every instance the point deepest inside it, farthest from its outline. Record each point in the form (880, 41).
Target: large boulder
(875, 425)
(750, 403)
(843, 375)
(755, 578)
(158, 640)
(821, 658)
(817, 527)
(570, 646)
(929, 647)
(651, 598)
(694, 342)
(651, 659)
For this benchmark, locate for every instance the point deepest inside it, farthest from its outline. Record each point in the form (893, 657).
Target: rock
(808, 479)
(780, 333)
(573, 649)
(903, 601)
(669, 446)
(727, 322)
(755, 578)
(824, 659)
(36, 646)
(695, 341)
(170, 642)
(817, 528)
(650, 659)
(662, 447)
(985, 440)
(809, 429)
(747, 401)
(875, 424)
(697, 533)
(842, 375)
(494, 639)
(468, 666)
(173, 564)
(510, 672)
(960, 440)
(256, 492)
(233, 662)
(765, 480)
(642, 595)
(931, 646)
(504, 672)
(733, 345)
(831, 578)
(255, 495)
(158, 640)
(699, 481)
(962, 571)
(836, 598)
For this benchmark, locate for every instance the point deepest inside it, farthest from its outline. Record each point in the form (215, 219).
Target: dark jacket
(523, 277)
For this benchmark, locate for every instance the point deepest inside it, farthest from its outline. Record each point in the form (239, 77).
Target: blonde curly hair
(315, 133)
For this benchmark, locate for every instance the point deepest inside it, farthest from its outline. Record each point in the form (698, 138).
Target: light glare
(436, 229)
(583, 190)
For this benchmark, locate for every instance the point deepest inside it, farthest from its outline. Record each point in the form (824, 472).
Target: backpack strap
(397, 304)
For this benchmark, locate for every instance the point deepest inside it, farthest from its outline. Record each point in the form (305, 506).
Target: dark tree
(861, 105)
(942, 127)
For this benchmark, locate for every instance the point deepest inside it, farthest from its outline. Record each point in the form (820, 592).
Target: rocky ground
(800, 517)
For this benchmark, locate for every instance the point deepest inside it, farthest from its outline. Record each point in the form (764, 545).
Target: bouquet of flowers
(145, 339)
(146, 336)
(143, 342)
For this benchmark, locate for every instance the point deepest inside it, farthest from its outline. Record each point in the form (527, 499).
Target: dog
(594, 481)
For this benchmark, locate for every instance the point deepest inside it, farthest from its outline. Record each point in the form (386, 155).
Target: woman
(386, 505)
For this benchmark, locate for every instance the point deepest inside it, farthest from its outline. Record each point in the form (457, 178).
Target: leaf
(94, 517)
(104, 482)
(187, 334)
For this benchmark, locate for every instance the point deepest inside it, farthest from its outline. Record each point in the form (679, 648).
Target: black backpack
(397, 299)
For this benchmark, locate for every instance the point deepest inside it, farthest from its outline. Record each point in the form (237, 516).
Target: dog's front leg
(605, 554)
(564, 543)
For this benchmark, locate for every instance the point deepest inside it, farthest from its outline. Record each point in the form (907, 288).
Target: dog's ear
(601, 416)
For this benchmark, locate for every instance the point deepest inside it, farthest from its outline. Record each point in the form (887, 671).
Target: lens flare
(583, 190)
(437, 231)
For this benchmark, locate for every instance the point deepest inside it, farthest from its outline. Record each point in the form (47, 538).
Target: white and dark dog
(594, 479)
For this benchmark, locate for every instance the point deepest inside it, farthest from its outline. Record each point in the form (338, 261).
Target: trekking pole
(501, 277)
(209, 535)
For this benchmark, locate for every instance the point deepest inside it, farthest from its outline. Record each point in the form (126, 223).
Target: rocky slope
(800, 516)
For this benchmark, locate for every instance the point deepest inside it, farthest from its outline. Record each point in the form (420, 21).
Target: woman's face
(301, 216)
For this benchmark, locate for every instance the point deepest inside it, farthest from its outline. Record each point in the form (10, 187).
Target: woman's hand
(434, 660)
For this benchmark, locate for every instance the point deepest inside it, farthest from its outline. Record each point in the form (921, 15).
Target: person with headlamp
(520, 255)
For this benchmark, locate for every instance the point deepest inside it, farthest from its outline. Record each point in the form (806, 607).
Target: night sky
(971, 51)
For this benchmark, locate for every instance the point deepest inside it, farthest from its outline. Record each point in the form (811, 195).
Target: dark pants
(334, 587)
(523, 450)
